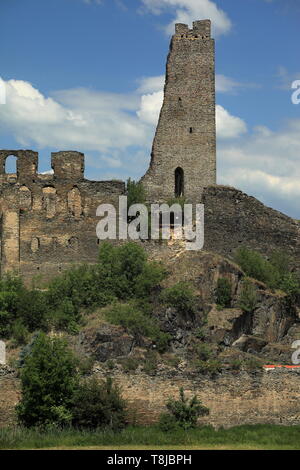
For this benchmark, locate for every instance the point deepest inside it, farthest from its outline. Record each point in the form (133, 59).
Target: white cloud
(265, 164)
(116, 131)
(187, 11)
(151, 84)
(79, 118)
(228, 126)
(150, 107)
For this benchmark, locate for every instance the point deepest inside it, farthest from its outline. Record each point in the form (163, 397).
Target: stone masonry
(183, 159)
(49, 221)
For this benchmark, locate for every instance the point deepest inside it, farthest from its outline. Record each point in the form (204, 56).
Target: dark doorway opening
(179, 182)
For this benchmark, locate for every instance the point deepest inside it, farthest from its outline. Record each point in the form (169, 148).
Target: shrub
(223, 292)
(130, 364)
(98, 404)
(181, 297)
(110, 364)
(125, 271)
(185, 412)
(248, 297)
(49, 379)
(256, 266)
(137, 323)
(289, 283)
(136, 193)
(19, 332)
(209, 367)
(275, 273)
(203, 351)
(167, 422)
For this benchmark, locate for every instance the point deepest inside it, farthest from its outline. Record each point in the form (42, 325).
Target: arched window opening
(11, 165)
(74, 202)
(49, 201)
(191, 130)
(179, 182)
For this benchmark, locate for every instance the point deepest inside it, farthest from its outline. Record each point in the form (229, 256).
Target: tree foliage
(184, 412)
(48, 378)
(98, 404)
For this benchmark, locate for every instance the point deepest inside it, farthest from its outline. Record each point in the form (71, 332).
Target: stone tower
(183, 158)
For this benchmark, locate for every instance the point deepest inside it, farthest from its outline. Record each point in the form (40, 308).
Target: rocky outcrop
(105, 342)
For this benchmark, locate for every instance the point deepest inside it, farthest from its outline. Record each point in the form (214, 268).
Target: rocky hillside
(212, 350)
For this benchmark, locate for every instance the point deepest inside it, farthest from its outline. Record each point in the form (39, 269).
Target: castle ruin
(48, 221)
(183, 159)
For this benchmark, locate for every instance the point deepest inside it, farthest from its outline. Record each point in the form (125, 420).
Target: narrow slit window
(191, 130)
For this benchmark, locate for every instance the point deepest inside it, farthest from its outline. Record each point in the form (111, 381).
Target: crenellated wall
(48, 221)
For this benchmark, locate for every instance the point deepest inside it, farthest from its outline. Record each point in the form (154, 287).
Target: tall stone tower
(183, 159)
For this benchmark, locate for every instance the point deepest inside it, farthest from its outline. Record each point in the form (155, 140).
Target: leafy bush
(185, 412)
(130, 364)
(98, 404)
(181, 297)
(209, 367)
(19, 332)
(275, 273)
(167, 422)
(223, 292)
(135, 192)
(137, 323)
(256, 266)
(203, 351)
(49, 379)
(248, 297)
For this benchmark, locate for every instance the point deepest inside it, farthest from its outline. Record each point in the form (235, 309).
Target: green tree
(185, 411)
(181, 297)
(49, 378)
(98, 404)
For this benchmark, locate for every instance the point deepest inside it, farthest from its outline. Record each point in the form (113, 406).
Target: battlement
(201, 30)
(68, 165)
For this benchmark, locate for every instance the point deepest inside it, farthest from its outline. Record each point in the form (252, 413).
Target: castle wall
(234, 219)
(233, 399)
(49, 221)
(185, 137)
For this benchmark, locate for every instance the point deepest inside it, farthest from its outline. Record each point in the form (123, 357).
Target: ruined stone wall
(49, 221)
(234, 219)
(185, 138)
(233, 399)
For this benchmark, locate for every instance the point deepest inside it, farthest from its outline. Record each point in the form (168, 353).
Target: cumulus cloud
(116, 130)
(186, 11)
(228, 126)
(78, 118)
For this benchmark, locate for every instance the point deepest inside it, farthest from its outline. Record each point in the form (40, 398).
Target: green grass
(241, 437)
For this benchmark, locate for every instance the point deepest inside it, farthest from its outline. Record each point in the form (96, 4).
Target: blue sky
(88, 76)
